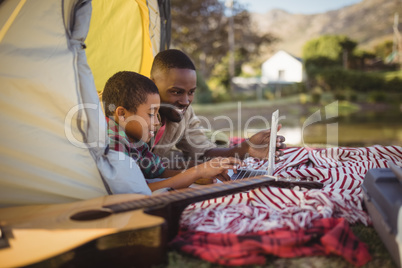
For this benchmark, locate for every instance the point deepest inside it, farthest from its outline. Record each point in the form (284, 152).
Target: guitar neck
(191, 195)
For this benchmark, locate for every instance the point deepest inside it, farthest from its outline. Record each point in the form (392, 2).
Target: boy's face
(142, 124)
(176, 88)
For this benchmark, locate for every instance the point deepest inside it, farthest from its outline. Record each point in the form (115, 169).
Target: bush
(333, 79)
(394, 85)
(203, 93)
(316, 95)
(377, 96)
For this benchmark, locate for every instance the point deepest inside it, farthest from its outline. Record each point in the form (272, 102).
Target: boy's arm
(213, 168)
(170, 173)
(180, 180)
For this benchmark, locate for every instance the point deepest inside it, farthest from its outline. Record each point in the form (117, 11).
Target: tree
(200, 28)
(328, 51)
(384, 49)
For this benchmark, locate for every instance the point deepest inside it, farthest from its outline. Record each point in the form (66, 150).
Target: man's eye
(191, 92)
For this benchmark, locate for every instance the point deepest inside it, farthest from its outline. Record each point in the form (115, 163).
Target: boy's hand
(204, 181)
(218, 168)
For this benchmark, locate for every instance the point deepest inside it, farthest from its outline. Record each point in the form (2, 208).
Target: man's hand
(258, 144)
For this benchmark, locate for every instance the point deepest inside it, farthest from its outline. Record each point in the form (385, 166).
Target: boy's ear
(119, 113)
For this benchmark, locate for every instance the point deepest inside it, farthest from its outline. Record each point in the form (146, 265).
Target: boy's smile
(176, 88)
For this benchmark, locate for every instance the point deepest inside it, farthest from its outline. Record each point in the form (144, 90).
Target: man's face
(176, 88)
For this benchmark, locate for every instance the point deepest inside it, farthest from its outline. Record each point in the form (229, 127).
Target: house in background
(282, 68)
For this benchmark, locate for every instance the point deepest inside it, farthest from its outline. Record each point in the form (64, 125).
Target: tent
(54, 145)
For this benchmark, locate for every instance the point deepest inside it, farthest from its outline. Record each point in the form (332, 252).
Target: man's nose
(184, 100)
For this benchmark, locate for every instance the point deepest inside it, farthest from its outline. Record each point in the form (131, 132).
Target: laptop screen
(272, 143)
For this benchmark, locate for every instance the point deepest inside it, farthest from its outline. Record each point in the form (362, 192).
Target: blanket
(266, 209)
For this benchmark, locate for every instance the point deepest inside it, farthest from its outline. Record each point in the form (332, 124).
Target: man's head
(174, 74)
(133, 101)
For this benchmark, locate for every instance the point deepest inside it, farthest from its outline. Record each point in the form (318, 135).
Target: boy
(131, 104)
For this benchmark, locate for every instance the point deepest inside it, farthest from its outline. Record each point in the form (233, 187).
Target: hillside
(368, 23)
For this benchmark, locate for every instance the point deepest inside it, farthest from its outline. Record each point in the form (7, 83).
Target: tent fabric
(123, 35)
(165, 24)
(53, 145)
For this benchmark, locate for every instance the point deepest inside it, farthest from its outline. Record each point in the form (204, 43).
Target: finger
(235, 161)
(280, 138)
(220, 177)
(204, 181)
(278, 153)
(225, 167)
(281, 146)
(279, 141)
(231, 161)
(224, 176)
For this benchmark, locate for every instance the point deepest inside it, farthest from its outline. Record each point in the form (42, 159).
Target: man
(174, 74)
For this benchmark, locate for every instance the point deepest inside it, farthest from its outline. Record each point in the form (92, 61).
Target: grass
(214, 108)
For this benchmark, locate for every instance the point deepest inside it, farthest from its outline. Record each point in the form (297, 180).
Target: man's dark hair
(127, 89)
(171, 58)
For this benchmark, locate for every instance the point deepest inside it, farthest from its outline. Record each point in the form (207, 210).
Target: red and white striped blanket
(341, 170)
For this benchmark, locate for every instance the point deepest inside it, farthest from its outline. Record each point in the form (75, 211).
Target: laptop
(247, 173)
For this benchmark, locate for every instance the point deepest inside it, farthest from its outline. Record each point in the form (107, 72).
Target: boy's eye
(191, 92)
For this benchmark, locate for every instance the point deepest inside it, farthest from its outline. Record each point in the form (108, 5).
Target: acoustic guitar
(127, 230)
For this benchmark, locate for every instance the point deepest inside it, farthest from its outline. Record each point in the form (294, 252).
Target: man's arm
(257, 146)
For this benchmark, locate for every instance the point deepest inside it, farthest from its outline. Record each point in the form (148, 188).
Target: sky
(296, 6)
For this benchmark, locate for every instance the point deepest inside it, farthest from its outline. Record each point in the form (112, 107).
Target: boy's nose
(156, 121)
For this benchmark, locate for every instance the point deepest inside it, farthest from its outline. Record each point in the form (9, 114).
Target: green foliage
(203, 93)
(327, 51)
(383, 49)
(394, 85)
(200, 28)
(333, 79)
(377, 96)
(316, 95)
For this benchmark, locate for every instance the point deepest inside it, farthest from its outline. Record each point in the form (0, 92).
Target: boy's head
(133, 101)
(174, 74)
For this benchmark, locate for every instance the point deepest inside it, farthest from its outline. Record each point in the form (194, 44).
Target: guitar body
(109, 231)
(46, 236)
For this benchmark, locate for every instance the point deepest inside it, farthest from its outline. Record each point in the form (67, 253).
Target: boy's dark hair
(127, 89)
(171, 58)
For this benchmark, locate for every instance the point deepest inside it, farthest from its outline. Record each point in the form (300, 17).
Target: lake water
(305, 125)
(359, 129)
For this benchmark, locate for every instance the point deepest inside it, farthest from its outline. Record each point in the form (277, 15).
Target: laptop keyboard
(244, 174)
